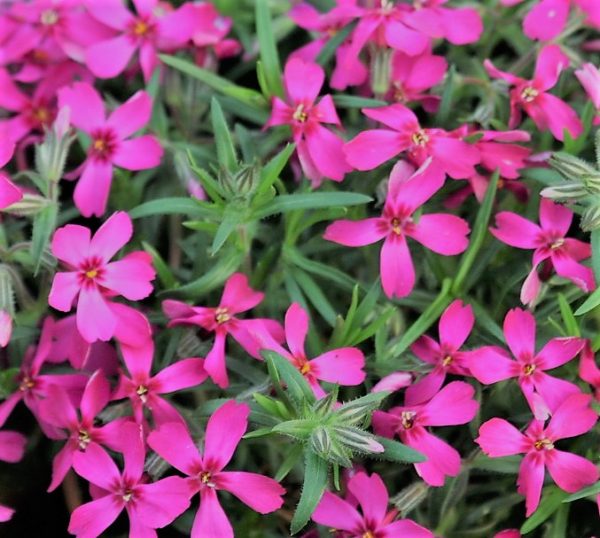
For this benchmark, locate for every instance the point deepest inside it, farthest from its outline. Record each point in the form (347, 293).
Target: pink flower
(371, 148)
(33, 387)
(547, 111)
(148, 505)
(210, 29)
(144, 390)
(456, 323)
(92, 279)
(154, 27)
(6, 324)
(12, 448)
(393, 382)
(412, 76)
(237, 297)
(589, 77)
(550, 244)
(81, 431)
(110, 142)
(9, 192)
(508, 533)
(547, 18)
(543, 392)
(499, 151)
(224, 431)
(319, 149)
(588, 369)
(498, 438)
(452, 405)
(407, 192)
(343, 366)
(374, 521)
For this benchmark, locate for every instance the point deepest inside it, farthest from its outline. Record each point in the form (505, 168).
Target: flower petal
(261, 493)
(224, 431)
(140, 153)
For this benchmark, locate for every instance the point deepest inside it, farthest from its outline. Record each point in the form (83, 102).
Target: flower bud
(590, 219)
(30, 204)
(6, 324)
(381, 71)
(565, 192)
(51, 155)
(572, 168)
(410, 497)
(357, 440)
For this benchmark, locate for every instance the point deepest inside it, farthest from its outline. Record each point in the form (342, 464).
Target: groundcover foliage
(313, 268)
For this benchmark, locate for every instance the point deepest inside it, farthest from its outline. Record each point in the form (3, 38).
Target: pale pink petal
(113, 13)
(211, 520)
(9, 192)
(461, 26)
(325, 111)
(569, 471)
(336, 513)
(456, 323)
(411, 192)
(573, 417)
(550, 62)
(97, 467)
(95, 320)
(12, 446)
(454, 404)
(546, 19)
(133, 328)
(139, 359)
(131, 115)
(224, 431)
(371, 148)
(405, 528)
(214, 363)
(530, 481)
(114, 233)
(356, 233)
(444, 234)
(238, 296)
(65, 288)
(11, 97)
(581, 275)
(296, 329)
(559, 116)
(71, 244)
(401, 37)
(397, 117)
(425, 388)
(427, 71)
(494, 72)
(183, 374)
(139, 153)
(456, 157)
(130, 277)
(531, 287)
(85, 104)
(426, 349)
(558, 351)
(261, 493)
(343, 366)
(396, 267)
(161, 502)
(519, 331)
(371, 494)
(173, 443)
(555, 217)
(6, 513)
(95, 396)
(93, 187)
(303, 80)
(326, 150)
(92, 519)
(109, 58)
(490, 364)
(442, 459)
(393, 382)
(498, 438)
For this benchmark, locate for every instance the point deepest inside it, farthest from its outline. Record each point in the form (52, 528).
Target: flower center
(103, 144)
(408, 419)
(83, 439)
(529, 94)
(222, 315)
(447, 360)
(142, 392)
(558, 243)
(41, 114)
(305, 368)
(420, 138)
(300, 114)
(90, 271)
(140, 28)
(528, 369)
(127, 495)
(26, 384)
(206, 479)
(398, 93)
(368, 534)
(543, 444)
(396, 226)
(49, 17)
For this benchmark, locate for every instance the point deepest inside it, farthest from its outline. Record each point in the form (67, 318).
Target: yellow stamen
(408, 419)
(368, 534)
(83, 439)
(545, 444)
(529, 94)
(299, 114)
(396, 226)
(41, 114)
(447, 360)
(127, 496)
(557, 244)
(26, 384)
(99, 145)
(142, 392)
(528, 369)
(222, 315)
(420, 138)
(92, 273)
(140, 28)
(49, 17)
(305, 368)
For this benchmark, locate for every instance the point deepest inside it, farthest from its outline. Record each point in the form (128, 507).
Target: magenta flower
(456, 323)
(499, 151)
(547, 18)
(9, 192)
(6, 325)
(92, 279)
(343, 366)
(210, 29)
(80, 430)
(547, 111)
(588, 369)
(12, 448)
(319, 149)
(374, 521)
(237, 297)
(144, 390)
(452, 405)
(148, 506)
(412, 76)
(110, 142)
(552, 248)
(224, 431)
(544, 393)
(151, 29)
(371, 148)
(589, 77)
(498, 438)
(407, 192)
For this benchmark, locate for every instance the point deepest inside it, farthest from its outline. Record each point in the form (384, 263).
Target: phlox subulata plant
(310, 268)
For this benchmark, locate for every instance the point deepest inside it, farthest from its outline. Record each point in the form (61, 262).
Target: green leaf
(315, 295)
(44, 225)
(320, 269)
(273, 168)
(332, 44)
(163, 270)
(589, 304)
(298, 428)
(594, 489)
(220, 84)
(395, 451)
(231, 219)
(172, 206)
(310, 200)
(225, 149)
(568, 317)
(551, 500)
(445, 107)
(8, 382)
(595, 243)
(293, 456)
(315, 481)
(504, 465)
(271, 68)
(297, 386)
(480, 230)
(351, 101)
